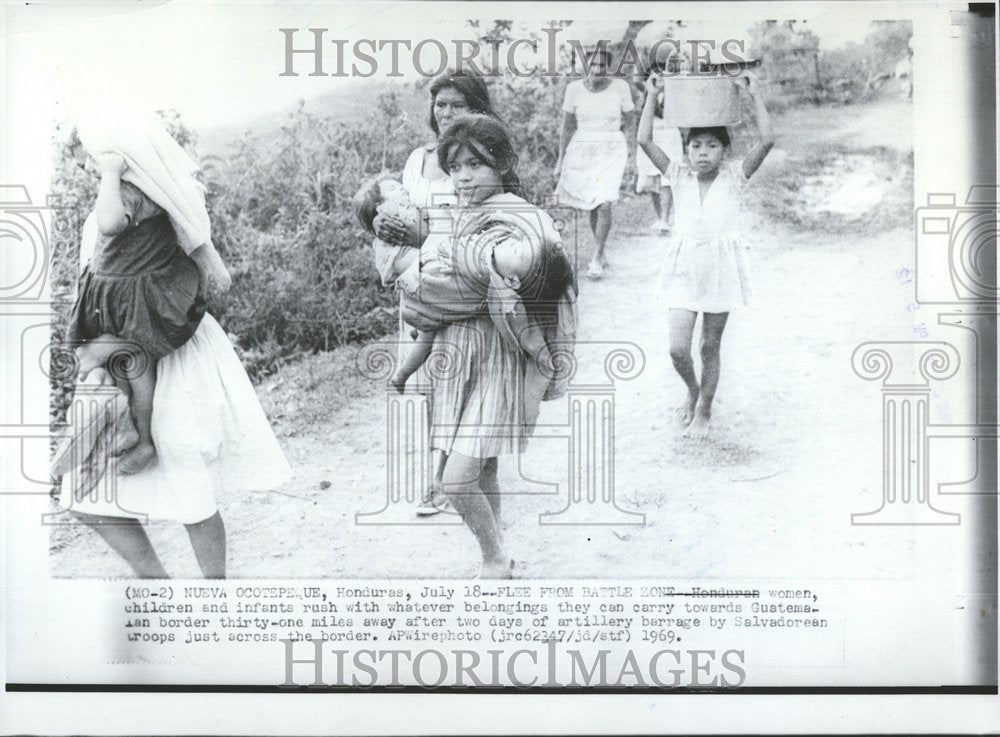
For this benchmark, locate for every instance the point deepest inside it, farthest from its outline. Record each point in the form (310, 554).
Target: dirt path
(794, 449)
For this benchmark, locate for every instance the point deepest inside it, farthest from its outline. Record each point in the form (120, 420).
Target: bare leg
(666, 200)
(142, 386)
(666, 205)
(654, 196)
(95, 353)
(415, 358)
(462, 478)
(491, 487)
(601, 230)
(681, 330)
(128, 538)
(491, 490)
(711, 341)
(208, 538)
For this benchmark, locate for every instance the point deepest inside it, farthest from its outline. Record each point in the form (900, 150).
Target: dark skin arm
(645, 134)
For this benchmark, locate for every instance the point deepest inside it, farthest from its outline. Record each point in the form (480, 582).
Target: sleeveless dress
(139, 285)
(706, 266)
(597, 154)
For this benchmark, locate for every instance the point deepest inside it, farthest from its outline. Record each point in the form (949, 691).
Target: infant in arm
(386, 195)
(482, 263)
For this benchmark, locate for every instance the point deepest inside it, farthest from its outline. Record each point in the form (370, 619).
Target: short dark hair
(367, 199)
(552, 275)
(470, 86)
(720, 132)
(491, 136)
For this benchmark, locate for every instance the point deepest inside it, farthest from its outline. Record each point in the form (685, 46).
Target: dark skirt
(140, 287)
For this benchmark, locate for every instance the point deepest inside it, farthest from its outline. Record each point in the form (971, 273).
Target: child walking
(141, 295)
(705, 269)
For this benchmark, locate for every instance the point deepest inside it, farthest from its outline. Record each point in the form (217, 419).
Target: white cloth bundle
(157, 165)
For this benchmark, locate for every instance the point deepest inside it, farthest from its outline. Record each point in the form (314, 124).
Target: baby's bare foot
(86, 360)
(398, 382)
(685, 413)
(699, 427)
(125, 439)
(137, 458)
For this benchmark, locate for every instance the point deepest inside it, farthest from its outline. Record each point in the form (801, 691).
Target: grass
(312, 389)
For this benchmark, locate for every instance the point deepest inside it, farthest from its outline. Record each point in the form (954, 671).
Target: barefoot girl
(488, 406)
(452, 95)
(705, 267)
(140, 293)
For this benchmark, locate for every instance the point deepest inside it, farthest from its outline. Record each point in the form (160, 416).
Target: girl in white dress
(595, 145)
(705, 269)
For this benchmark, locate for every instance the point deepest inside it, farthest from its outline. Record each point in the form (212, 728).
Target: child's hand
(750, 83)
(111, 164)
(215, 278)
(218, 280)
(652, 85)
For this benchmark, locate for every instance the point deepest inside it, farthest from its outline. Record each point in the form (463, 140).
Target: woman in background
(596, 143)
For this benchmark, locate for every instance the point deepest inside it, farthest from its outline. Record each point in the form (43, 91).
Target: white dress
(595, 158)
(706, 266)
(426, 192)
(210, 433)
(669, 140)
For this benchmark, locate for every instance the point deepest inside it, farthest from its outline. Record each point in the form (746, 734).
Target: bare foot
(398, 382)
(95, 353)
(503, 568)
(685, 413)
(137, 458)
(125, 439)
(698, 429)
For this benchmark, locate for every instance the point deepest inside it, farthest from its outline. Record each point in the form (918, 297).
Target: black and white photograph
(597, 347)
